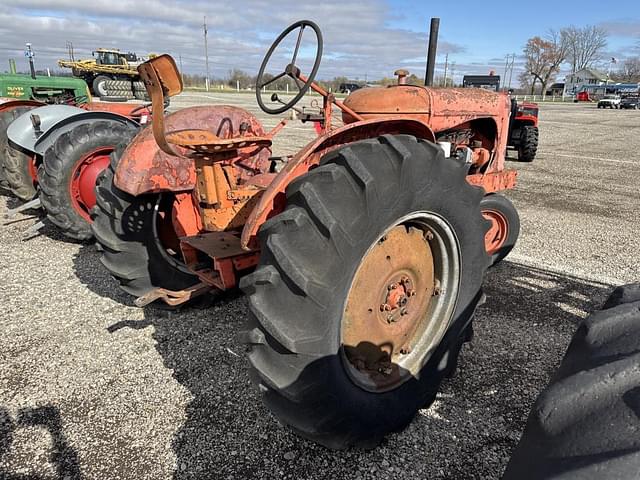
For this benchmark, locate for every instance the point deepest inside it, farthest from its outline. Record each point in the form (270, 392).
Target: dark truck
(523, 127)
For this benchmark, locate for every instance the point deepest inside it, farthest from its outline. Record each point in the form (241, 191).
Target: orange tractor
(363, 257)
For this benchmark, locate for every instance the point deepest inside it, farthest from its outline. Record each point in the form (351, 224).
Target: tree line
(577, 47)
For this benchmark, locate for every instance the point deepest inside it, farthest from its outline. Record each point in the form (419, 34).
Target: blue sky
(370, 38)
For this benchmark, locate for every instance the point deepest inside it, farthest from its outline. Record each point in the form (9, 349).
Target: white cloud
(358, 40)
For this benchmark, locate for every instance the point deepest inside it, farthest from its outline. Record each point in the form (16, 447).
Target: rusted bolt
(390, 319)
(385, 307)
(392, 286)
(411, 293)
(436, 288)
(403, 311)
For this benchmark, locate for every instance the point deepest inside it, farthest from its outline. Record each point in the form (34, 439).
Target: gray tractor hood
(23, 132)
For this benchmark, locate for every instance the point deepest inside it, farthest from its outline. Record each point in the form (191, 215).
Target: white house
(587, 76)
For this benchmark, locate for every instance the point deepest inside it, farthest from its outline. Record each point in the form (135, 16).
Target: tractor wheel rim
(498, 232)
(83, 180)
(400, 302)
(165, 236)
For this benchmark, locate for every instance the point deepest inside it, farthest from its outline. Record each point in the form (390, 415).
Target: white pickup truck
(609, 101)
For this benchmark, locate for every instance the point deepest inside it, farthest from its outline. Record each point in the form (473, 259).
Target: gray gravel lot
(91, 387)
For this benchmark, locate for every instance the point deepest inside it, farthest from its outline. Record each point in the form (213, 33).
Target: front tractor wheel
(528, 144)
(505, 226)
(70, 168)
(140, 245)
(367, 283)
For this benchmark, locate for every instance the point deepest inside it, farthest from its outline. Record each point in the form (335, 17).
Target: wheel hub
(498, 232)
(401, 300)
(83, 179)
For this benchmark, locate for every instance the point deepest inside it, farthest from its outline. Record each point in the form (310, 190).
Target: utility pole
(506, 68)
(206, 54)
(513, 61)
(446, 65)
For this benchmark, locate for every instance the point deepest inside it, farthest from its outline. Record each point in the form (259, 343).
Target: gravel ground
(91, 387)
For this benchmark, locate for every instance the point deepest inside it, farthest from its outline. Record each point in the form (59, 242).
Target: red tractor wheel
(367, 285)
(70, 168)
(139, 236)
(505, 226)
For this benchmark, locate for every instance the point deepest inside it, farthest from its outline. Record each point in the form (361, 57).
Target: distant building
(487, 82)
(576, 82)
(555, 89)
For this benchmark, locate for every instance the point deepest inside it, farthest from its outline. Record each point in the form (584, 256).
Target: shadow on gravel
(62, 457)
(521, 334)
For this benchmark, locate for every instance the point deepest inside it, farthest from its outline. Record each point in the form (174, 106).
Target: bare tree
(544, 57)
(585, 45)
(629, 71)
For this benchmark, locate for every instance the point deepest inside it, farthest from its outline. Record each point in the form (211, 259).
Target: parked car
(609, 101)
(630, 102)
(348, 87)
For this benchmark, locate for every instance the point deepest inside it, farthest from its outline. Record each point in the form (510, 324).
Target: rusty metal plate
(206, 141)
(216, 244)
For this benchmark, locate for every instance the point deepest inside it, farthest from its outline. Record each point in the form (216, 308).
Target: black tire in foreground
(16, 165)
(585, 424)
(528, 143)
(64, 165)
(500, 210)
(312, 260)
(128, 229)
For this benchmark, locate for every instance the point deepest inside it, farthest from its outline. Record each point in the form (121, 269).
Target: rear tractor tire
(70, 168)
(528, 144)
(505, 226)
(366, 286)
(17, 169)
(129, 230)
(19, 172)
(99, 85)
(5, 120)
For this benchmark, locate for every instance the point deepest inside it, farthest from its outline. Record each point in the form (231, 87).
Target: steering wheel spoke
(269, 82)
(295, 52)
(291, 70)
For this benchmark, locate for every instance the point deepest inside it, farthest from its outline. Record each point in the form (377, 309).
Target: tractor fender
(144, 168)
(272, 200)
(67, 124)
(22, 131)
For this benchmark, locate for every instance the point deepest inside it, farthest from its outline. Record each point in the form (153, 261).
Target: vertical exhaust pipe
(431, 54)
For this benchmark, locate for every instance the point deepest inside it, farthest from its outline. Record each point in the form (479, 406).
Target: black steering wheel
(291, 70)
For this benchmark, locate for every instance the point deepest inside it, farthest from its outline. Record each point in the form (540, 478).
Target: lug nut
(404, 311)
(428, 235)
(390, 319)
(385, 307)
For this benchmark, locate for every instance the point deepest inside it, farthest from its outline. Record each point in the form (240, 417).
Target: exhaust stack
(431, 53)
